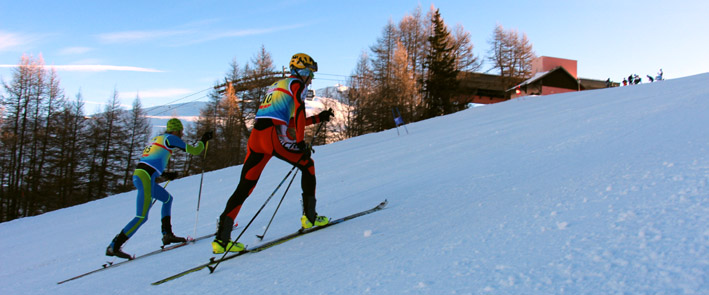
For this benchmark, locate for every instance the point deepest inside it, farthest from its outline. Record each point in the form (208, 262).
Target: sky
(593, 192)
(174, 52)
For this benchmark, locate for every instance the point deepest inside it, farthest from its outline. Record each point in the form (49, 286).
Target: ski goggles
(305, 73)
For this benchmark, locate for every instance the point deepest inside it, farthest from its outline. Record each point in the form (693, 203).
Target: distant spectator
(650, 78)
(630, 79)
(659, 75)
(625, 82)
(608, 83)
(637, 80)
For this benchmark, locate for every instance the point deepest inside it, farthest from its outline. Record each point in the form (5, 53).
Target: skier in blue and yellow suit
(282, 109)
(151, 166)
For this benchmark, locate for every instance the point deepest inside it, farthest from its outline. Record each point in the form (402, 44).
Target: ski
(269, 244)
(110, 264)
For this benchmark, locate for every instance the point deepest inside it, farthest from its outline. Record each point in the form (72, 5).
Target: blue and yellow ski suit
(151, 165)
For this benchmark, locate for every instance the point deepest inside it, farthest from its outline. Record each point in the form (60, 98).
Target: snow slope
(596, 192)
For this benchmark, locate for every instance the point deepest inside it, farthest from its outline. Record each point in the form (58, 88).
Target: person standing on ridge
(151, 166)
(282, 109)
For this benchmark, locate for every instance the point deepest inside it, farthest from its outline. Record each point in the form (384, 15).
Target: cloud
(103, 68)
(241, 33)
(139, 36)
(94, 68)
(8, 40)
(75, 50)
(158, 93)
(246, 32)
(87, 61)
(12, 40)
(188, 36)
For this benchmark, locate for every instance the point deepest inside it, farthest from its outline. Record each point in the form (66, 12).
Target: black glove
(305, 149)
(325, 115)
(207, 136)
(170, 175)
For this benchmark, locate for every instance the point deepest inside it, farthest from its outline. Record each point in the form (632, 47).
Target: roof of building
(483, 84)
(557, 77)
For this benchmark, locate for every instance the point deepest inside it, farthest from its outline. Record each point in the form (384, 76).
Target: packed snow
(594, 192)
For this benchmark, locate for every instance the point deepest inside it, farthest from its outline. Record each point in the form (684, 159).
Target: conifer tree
(68, 167)
(511, 55)
(139, 129)
(106, 147)
(441, 81)
(360, 93)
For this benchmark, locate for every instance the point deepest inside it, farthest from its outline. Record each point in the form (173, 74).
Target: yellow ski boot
(219, 247)
(319, 221)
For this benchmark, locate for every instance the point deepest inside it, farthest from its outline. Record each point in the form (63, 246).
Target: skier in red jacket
(282, 109)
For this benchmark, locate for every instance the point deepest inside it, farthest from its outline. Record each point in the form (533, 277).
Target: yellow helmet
(303, 61)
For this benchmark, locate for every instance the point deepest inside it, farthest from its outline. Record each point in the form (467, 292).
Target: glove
(207, 136)
(170, 175)
(325, 115)
(305, 149)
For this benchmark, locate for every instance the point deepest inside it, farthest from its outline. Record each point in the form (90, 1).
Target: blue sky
(167, 51)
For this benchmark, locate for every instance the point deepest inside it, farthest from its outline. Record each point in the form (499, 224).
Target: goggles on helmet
(303, 73)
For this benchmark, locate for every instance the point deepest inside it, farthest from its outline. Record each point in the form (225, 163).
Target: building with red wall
(553, 75)
(550, 75)
(547, 63)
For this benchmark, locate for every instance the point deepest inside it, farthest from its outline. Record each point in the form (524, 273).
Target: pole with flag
(398, 120)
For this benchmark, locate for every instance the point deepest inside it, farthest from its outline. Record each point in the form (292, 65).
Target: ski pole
(201, 180)
(287, 188)
(212, 268)
(260, 237)
(164, 186)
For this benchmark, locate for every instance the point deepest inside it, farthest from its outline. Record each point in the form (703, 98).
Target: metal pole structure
(199, 196)
(402, 121)
(287, 188)
(211, 269)
(395, 124)
(154, 200)
(260, 237)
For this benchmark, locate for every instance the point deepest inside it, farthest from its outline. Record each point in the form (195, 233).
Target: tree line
(415, 65)
(56, 156)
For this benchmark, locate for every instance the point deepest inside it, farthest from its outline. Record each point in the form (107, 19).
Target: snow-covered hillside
(188, 112)
(596, 192)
